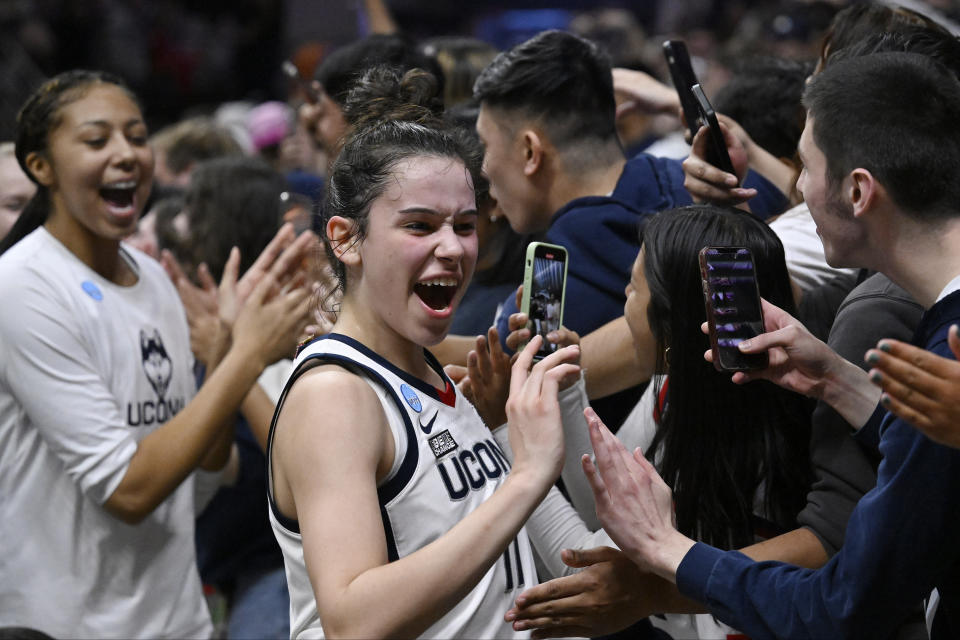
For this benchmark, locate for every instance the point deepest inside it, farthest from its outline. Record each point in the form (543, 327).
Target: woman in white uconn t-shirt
(389, 498)
(101, 426)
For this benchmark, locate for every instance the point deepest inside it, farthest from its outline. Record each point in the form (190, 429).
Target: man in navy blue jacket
(879, 180)
(555, 164)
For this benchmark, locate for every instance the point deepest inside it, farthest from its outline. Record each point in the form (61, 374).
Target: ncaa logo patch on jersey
(411, 397)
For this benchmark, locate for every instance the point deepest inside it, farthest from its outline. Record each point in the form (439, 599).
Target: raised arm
(331, 471)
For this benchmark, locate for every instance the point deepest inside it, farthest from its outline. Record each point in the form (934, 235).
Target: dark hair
(764, 97)
(717, 443)
(231, 202)
(339, 72)
(390, 130)
(864, 113)
(936, 44)
(462, 59)
(559, 80)
(39, 116)
(194, 140)
(864, 19)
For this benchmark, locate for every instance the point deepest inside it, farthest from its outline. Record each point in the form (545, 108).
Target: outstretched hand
(797, 359)
(201, 306)
(609, 594)
(634, 505)
(920, 387)
(486, 379)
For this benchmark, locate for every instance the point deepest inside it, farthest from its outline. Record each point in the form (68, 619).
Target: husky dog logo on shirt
(156, 362)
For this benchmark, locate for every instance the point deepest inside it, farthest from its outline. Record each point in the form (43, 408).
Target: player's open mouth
(119, 195)
(437, 294)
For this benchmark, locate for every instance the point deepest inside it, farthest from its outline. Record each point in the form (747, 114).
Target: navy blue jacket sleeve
(901, 541)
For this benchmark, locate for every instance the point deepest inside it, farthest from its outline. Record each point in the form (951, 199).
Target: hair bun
(383, 94)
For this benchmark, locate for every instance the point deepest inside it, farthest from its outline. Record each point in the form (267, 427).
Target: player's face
(635, 308)
(503, 166)
(839, 231)
(420, 248)
(98, 166)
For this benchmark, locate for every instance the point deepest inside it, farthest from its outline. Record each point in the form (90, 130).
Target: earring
(666, 357)
(494, 217)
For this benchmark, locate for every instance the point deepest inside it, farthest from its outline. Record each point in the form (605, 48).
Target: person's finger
(908, 395)
(517, 321)
(207, 283)
(785, 337)
(484, 364)
(518, 297)
(467, 389)
(580, 558)
(548, 591)
(493, 340)
(905, 411)
(290, 259)
(516, 338)
(552, 614)
(284, 236)
(953, 339)
(171, 266)
(520, 370)
(231, 267)
(473, 366)
(455, 372)
(911, 365)
(590, 470)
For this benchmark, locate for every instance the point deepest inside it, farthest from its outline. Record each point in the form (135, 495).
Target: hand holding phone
(544, 289)
(717, 154)
(732, 301)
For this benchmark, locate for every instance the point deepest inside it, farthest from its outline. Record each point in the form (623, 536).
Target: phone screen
(733, 306)
(547, 286)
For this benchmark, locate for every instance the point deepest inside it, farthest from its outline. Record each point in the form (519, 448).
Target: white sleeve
(576, 443)
(554, 525)
(47, 367)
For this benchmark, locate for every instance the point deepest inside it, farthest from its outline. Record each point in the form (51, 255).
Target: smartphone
(732, 299)
(292, 73)
(683, 77)
(544, 287)
(716, 146)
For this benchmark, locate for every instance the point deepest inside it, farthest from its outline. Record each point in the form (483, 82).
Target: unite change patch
(411, 397)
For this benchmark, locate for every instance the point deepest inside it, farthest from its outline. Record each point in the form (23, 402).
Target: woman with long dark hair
(101, 426)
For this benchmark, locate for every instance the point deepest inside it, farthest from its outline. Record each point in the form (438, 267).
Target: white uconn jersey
(446, 464)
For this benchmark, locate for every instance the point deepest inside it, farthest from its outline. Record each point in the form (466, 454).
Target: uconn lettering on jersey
(470, 469)
(144, 414)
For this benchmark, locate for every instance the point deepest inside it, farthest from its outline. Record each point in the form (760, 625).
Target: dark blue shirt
(901, 542)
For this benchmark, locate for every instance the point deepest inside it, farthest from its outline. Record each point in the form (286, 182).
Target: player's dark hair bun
(383, 94)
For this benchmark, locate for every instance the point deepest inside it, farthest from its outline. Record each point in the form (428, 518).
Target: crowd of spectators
(188, 193)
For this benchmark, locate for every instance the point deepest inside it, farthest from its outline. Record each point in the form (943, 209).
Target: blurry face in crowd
(326, 123)
(419, 250)
(16, 189)
(503, 164)
(98, 165)
(838, 229)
